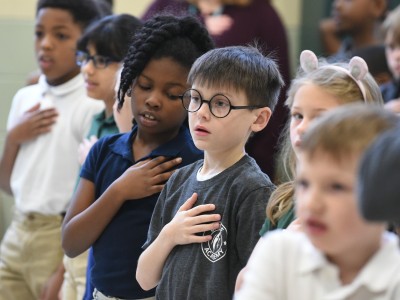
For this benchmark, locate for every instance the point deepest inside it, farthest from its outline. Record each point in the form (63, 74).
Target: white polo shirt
(286, 266)
(46, 168)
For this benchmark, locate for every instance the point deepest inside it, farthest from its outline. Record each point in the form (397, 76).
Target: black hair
(182, 39)
(82, 11)
(110, 36)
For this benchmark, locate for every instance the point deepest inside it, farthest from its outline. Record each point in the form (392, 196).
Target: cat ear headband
(358, 68)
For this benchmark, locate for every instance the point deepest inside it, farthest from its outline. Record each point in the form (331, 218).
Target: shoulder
(110, 141)
(251, 173)
(285, 238)
(27, 92)
(290, 246)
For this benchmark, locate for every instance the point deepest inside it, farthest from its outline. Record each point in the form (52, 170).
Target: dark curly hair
(182, 39)
(83, 12)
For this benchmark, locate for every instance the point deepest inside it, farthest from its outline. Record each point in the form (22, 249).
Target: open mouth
(149, 116)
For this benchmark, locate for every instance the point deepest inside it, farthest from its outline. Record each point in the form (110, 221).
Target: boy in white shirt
(46, 123)
(339, 255)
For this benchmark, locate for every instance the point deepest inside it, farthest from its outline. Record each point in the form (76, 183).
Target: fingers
(206, 227)
(44, 119)
(34, 108)
(162, 163)
(189, 203)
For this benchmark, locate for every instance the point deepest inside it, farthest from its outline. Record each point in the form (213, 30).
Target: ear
(262, 118)
(379, 8)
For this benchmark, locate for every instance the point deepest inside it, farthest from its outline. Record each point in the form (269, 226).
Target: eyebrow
(168, 83)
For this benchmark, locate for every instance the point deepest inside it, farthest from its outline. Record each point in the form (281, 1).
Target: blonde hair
(333, 81)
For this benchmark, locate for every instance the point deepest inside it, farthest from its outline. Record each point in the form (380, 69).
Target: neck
(217, 163)
(143, 144)
(109, 107)
(365, 38)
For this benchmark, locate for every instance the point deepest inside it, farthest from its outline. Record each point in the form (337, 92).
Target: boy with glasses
(206, 220)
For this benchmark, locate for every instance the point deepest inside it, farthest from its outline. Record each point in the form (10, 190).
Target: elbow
(144, 283)
(68, 248)
(68, 251)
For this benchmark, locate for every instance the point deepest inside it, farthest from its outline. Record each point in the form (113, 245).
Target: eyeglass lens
(83, 58)
(219, 105)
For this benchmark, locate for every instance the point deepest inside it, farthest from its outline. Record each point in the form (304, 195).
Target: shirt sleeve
(157, 220)
(88, 170)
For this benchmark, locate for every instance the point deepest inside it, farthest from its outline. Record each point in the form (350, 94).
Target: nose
(302, 127)
(204, 111)
(154, 101)
(88, 67)
(311, 200)
(46, 42)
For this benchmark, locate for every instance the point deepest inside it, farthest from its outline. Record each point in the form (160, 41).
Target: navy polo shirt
(118, 248)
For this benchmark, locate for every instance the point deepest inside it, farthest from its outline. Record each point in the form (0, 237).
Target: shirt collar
(62, 89)
(172, 148)
(314, 261)
(388, 252)
(101, 117)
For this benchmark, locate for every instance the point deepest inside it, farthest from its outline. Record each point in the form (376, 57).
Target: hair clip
(358, 68)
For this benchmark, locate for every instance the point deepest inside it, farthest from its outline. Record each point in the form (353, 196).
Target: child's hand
(190, 220)
(217, 25)
(33, 123)
(84, 148)
(145, 178)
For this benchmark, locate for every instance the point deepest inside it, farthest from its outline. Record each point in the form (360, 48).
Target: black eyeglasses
(220, 105)
(99, 61)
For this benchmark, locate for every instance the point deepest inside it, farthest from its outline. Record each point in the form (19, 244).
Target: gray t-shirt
(209, 270)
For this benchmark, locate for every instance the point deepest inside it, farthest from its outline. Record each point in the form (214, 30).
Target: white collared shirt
(46, 168)
(286, 266)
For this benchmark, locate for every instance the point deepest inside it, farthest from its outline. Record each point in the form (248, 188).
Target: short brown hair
(392, 24)
(347, 130)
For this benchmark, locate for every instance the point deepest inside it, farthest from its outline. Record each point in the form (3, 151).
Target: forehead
(314, 97)
(326, 163)
(56, 18)
(166, 70)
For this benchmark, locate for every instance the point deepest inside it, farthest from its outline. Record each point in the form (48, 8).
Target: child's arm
(31, 124)
(86, 219)
(181, 230)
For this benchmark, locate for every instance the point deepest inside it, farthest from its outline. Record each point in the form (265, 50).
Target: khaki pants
(74, 284)
(29, 254)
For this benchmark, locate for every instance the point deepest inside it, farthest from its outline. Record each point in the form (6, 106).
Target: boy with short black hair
(197, 246)
(46, 123)
(338, 254)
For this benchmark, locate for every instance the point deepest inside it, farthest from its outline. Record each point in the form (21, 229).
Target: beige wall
(17, 60)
